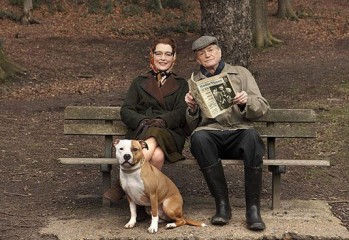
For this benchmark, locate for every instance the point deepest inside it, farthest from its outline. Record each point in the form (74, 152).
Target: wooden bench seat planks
(277, 123)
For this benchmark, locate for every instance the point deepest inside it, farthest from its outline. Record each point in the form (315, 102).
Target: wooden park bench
(277, 123)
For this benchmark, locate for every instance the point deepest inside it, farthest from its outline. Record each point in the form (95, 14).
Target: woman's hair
(165, 40)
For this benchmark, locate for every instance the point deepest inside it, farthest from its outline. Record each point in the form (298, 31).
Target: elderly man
(229, 135)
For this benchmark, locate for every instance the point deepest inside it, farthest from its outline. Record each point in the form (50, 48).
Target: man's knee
(253, 139)
(252, 134)
(199, 138)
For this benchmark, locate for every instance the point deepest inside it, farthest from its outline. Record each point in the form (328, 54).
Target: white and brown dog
(145, 185)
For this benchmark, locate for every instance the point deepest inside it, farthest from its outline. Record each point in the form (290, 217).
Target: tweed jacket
(234, 118)
(144, 99)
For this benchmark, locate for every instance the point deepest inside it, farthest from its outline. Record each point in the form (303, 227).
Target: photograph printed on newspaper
(214, 95)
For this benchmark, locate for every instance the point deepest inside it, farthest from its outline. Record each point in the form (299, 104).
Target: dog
(145, 185)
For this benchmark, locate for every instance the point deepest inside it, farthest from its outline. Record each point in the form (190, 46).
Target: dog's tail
(194, 223)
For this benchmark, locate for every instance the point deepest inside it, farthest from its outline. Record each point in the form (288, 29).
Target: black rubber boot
(253, 188)
(215, 179)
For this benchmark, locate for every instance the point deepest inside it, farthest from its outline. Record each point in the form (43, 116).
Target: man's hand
(240, 98)
(191, 102)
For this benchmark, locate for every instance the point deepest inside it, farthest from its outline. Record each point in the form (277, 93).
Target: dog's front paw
(152, 229)
(154, 224)
(130, 223)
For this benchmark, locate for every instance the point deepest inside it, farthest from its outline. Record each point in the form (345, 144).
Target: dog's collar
(134, 169)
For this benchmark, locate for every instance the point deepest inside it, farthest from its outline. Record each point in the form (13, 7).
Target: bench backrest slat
(91, 113)
(289, 116)
(117, 130)
(95, 129)
(113, 113)
(282, 131)
(120, 130)
(106, 121)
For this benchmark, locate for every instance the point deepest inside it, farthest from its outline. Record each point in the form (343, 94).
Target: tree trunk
(7, 68)
(159, 5)
(27, 17)
(230, 22)
(285, 10)
(261, 36)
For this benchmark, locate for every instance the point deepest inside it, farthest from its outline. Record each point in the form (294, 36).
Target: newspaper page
(214, 95)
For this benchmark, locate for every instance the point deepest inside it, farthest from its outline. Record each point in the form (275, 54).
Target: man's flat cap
(203, 42)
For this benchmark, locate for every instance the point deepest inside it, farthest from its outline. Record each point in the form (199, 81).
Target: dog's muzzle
(127, 157)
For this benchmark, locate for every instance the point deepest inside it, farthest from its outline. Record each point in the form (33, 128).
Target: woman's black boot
(253, 187)
(215, 179)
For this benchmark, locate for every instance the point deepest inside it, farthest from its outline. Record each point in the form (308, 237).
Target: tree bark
(285, 10)
(262, 37)
(230, 22)
(7, 68)
(159, 5)
(27, 17)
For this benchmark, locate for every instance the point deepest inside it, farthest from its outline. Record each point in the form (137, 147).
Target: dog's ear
(116, 141)
(144, 144)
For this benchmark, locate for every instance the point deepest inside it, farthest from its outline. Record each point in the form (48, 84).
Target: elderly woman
(154, 110)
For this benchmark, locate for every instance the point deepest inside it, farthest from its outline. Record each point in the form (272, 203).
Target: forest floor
(72, 58)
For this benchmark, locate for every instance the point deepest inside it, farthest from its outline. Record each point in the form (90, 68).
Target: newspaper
(214, 95)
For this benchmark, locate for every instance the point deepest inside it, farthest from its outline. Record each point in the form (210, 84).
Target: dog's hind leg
(174, 212)
(154, 224)
(178, 222)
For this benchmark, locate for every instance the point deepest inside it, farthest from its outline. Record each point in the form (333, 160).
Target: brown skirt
(166, 142)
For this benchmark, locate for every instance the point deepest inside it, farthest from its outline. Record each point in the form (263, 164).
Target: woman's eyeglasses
(159, 54)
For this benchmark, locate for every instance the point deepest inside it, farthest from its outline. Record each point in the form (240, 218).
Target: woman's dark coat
(145, 99)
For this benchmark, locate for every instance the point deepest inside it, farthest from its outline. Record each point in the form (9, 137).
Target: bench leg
(276, 190)
(106, 182)
(106, 168)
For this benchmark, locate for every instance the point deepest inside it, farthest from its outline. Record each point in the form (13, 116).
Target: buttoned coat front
(145, 99)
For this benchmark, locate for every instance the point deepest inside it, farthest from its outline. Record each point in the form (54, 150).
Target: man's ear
(197, 59)
(220, 52)
(144, 144)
